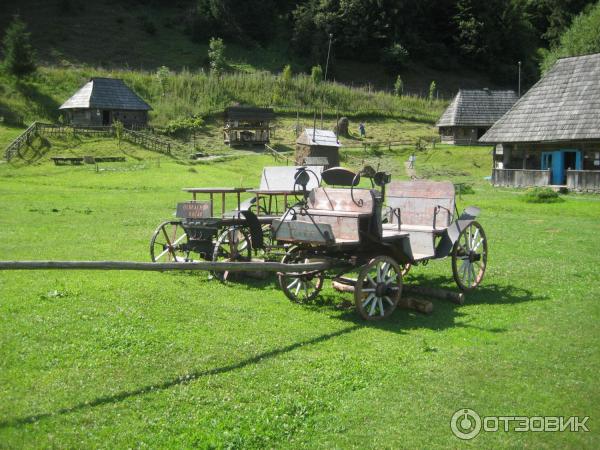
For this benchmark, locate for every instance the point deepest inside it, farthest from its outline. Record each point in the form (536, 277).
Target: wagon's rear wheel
(378, 288)
(168, 243)
(233, 245)
(301, 286)
(469, 257)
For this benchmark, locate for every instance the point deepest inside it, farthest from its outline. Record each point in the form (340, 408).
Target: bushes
(542, 195)
(185, 126)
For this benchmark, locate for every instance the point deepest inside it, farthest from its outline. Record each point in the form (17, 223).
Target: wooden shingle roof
(325, 138)
(563, 105)
(477, 108)
(249, 113)
(106, 93)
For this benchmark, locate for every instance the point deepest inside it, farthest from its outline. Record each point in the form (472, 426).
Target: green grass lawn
(134, 359)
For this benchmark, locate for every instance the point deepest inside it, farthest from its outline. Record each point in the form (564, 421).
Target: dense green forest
(487, 37)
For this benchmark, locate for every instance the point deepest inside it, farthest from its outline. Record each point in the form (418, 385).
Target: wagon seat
(424, 209)
(353, 214)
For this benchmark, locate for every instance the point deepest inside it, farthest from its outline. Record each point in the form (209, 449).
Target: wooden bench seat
(407, 228)
(324, 212)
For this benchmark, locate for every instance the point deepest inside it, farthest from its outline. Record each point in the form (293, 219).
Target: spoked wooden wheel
(300, 287)
(469, 257)
(378, 288)
(232, 245)
(168, 243)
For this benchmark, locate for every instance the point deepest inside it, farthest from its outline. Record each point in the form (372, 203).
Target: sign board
(499, 149)
(193, 210)
(297, 231)
(316, 161)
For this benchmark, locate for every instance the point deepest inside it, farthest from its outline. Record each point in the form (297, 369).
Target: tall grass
(197, 93)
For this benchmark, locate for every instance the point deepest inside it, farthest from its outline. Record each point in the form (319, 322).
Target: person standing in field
(411, 161)
(361, 130)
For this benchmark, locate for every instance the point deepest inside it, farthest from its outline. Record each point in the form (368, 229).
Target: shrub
(542, 195)
(316, 74)
(287, 75)
(179, 127)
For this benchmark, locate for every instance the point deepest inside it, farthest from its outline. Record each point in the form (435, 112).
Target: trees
(399, 86)
(19, 55)
(216, 55)
(580, 38)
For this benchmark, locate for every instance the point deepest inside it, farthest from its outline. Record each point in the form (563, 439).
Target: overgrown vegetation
(541, 195)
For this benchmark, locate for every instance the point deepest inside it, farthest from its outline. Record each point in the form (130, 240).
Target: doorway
(559, 162)
(106, 118)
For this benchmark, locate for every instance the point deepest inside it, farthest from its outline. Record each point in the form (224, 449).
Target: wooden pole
(442, 294)
(160, 267)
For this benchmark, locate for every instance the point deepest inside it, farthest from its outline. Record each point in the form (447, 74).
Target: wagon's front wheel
(300, 287)
(469, 257)
(378, 288)
(233, 245)
(168, 243)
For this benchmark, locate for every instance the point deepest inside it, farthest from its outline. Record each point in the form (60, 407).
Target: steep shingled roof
(105, 93)
(249, 113)
(563, 105)
(477, 108)
(325, 138)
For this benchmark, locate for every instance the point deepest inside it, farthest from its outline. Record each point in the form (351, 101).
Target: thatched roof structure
(316, 137)
(477, 108)
(563, 106)
(106, 93)
(250, 113)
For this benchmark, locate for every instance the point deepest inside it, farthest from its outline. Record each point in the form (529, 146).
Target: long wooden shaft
(160, 267)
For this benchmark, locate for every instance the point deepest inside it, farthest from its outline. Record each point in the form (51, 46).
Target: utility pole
(519, 79)
(328, 52)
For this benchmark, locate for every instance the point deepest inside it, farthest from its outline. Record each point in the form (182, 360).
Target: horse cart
(377, 236)
(241, 230)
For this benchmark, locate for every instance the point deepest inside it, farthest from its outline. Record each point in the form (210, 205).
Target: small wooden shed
(102, 101)
(471, 113)
(246, 125)
(323, 143)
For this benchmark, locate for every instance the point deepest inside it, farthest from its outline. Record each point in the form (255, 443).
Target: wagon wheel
(233, 244)
(300, 287)
(378, 288)
(469, 257)
(167, 243)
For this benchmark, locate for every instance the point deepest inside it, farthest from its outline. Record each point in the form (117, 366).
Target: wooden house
(318, 143)
(551, 136)
(471, 113)
(101, 101)
(245, 125)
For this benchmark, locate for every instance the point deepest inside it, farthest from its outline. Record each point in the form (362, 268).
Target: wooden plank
(194, 210)
(160, 267)
(298, 231)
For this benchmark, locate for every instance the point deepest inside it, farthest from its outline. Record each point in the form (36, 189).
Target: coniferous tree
(19, 55)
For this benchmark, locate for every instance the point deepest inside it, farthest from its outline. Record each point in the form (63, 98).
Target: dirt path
(409, 171)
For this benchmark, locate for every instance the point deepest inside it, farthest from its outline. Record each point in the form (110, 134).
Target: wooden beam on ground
(161, 267)
(442, 294)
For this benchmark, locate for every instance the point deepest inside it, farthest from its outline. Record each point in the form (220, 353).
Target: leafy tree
(394, 57)
(432, 90)
(399, 86)
(316, 74)
(162, 75)
(580, 38)
(119, 129)
(216, 55)
(286, 75)
(19, 55)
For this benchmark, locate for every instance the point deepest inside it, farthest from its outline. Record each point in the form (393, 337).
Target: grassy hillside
(195, 93)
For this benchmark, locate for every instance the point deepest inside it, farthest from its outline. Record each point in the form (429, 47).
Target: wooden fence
(39, 128)
(583, 180)
(520, 177)
(276, 155)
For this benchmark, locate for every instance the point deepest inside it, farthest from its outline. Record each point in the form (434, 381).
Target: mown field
(127, 359)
